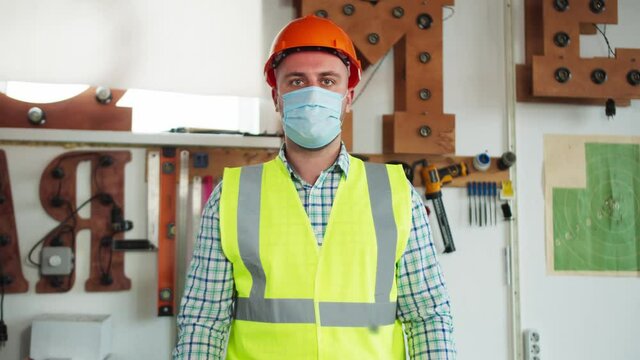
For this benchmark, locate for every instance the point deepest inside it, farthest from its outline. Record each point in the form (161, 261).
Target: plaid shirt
(423, 302)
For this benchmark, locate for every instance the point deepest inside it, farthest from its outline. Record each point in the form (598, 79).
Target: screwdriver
(476, 192)
(484, 200)
(494, 192)
(470, 196)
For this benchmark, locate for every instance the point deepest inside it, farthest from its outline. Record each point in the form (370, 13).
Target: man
(315, 254)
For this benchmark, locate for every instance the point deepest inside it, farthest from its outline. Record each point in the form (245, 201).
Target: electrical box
(56, 260)
(73, 337)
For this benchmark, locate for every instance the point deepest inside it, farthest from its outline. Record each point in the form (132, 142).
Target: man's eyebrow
(330, 73)
(295, 74)
(302, 74)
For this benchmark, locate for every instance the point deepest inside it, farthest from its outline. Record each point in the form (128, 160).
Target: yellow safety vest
(296, 300)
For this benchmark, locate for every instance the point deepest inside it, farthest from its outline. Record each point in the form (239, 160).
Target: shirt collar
(341, 163)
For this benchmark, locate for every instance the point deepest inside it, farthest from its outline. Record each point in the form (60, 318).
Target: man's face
(312, 68)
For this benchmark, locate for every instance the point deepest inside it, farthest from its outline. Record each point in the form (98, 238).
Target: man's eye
(328, 82)
(296, 82)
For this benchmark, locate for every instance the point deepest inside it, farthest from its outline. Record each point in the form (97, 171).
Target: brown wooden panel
(570, 21)
(219, 158)
(536, 78)
(347, 130)
(588, 29)
(400, 134)
(581, 85)
(109, 180)
(82, 112)
(524, 92)
(409, 41)
(10, 259)
(493, 174)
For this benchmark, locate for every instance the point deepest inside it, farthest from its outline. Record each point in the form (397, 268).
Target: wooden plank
(82, 112)
(10, 258)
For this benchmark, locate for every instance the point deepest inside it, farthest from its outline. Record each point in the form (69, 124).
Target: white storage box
(71, 337)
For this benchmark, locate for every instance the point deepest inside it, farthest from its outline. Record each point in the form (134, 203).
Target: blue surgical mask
(312, 116)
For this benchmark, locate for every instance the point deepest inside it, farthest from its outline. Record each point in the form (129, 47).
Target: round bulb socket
(36, 116)
(633, 77)
(424, 21)
(562, 75)
(597, 6)
(322, 13)
(349, 9)
(397, 12)
(561, 39)
(561, 5)
(599, 76)
(57, 172)
(103, 95)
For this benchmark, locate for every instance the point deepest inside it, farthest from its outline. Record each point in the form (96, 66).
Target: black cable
(63, 227)
(60, 226)
(452, 11)
(606, 39)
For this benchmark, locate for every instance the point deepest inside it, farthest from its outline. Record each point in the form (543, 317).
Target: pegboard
(414, 30)
(554, 70)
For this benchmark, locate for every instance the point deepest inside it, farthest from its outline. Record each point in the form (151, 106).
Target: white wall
(578, 317)
(192, 46)
(137, 331)
(569, 312)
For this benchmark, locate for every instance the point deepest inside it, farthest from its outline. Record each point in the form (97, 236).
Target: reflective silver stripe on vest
(257, 308)
(293, 311)
(248, 236)
(357, 314)
(385, 225)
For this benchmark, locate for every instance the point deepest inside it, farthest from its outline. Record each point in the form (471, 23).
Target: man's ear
(274, 96)
(350, 96)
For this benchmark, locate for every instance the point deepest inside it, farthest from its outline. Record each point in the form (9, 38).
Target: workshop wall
(137, 331)
(577, 317)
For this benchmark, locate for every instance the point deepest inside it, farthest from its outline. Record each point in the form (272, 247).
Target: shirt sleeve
(423, 300)
(206, 308)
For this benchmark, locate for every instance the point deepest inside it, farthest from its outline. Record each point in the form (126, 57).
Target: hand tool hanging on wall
(470, 195)
(447, 173)
(485, 200)
(167, 232)
(433, 185)
(494, 196)
(478, 191)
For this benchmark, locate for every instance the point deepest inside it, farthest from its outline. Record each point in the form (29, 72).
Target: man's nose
(313, 82)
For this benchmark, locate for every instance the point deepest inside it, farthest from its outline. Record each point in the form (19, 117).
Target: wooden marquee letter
(554, 68)
(58, 198)
(414, 29)
(10, 260)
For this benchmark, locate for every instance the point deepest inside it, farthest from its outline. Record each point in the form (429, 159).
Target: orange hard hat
(313, 33)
